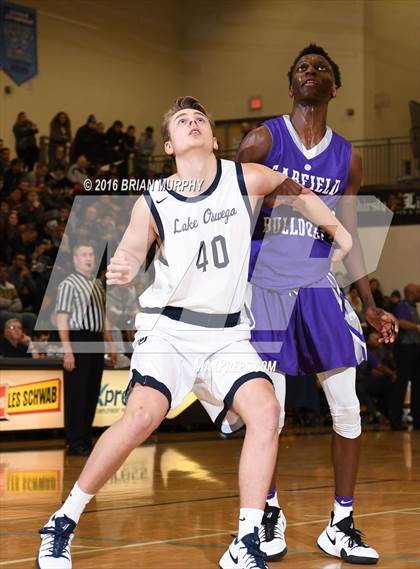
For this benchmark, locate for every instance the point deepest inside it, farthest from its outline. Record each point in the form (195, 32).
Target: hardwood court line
(126, 546)
(213, 498)
(190, 538)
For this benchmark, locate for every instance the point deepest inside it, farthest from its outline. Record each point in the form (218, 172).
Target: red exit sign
(255, 103)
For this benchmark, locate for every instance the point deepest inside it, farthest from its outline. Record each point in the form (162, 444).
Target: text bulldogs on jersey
(291, 226)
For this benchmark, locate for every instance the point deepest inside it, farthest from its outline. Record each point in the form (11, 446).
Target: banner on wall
(404, 203)
(18, 41)
(31, 399)
(34, 399)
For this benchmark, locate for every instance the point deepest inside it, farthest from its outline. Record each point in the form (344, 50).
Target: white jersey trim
(316, 150)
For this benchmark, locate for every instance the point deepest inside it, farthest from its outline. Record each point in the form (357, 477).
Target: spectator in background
(129, 148)
(57, 180)
(20, 276)
(24, 185)
(4, 160)
(58, 238)
(375, 378)
(378, 297)
(115, 139)
(28, 238)
(40, 346)
(63, 214)
(10, 303)
(130, 139)
(395, 298)
(58, 159)
(32, 209)
(26, 147)
(15, 343)
(90, 216)
(4, 215)
(86, 140)
(38, 176)
(60, 133)
(13, 176)
(15, 199)
(10, 237)
(407, 357)
(144, 150)
(100, 152)
(43, 255)
(77, 173)
(357, 304)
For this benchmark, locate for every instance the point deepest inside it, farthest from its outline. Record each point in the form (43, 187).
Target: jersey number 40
(219, 254)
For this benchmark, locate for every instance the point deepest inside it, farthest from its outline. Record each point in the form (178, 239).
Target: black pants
(29, 156)
(81, 391)
(407, 359)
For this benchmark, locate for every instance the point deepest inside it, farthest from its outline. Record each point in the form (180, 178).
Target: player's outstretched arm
(381, 320)
(262, 182)
(137, 240)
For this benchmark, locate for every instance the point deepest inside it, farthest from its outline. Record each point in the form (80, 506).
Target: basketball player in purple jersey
(296, 302)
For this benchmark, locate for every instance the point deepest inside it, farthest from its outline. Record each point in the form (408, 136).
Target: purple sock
(345, 501)
(271, 493)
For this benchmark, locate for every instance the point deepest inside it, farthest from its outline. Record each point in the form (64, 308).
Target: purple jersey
(289, 252)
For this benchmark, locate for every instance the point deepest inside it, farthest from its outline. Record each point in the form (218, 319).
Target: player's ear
(334, 91)
(169, 149)
(290, 91)
(215, 143)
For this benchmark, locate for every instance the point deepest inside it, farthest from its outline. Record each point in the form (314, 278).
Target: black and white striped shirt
(84, 300)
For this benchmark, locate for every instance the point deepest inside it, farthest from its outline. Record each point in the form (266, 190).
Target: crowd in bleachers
(36, 199)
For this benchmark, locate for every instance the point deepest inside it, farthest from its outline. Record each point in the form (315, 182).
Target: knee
(137, 422)
(265, 416)
(346, 421)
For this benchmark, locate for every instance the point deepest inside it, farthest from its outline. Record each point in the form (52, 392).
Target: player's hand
(286, 193)
(384, 322)
(118, 271)
(69, 363)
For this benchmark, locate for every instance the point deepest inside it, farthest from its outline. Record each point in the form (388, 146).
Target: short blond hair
(180, 103)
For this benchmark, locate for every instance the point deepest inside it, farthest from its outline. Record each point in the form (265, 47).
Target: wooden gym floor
(174, 503)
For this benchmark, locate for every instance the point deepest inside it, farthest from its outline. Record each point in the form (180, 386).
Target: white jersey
(203, 265)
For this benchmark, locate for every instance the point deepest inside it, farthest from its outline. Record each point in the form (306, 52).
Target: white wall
(241, 48)
(392, 65)
(399, 263)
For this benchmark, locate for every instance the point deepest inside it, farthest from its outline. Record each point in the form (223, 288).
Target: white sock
(249, 518)
(273, 499)
(75, 504)
(341, 512)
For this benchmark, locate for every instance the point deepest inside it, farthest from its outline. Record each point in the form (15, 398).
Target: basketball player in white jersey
(190, 313)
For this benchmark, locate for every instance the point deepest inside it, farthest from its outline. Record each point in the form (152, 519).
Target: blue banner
(18, 41)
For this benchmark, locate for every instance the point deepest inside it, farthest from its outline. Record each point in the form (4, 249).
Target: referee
(80, 311)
